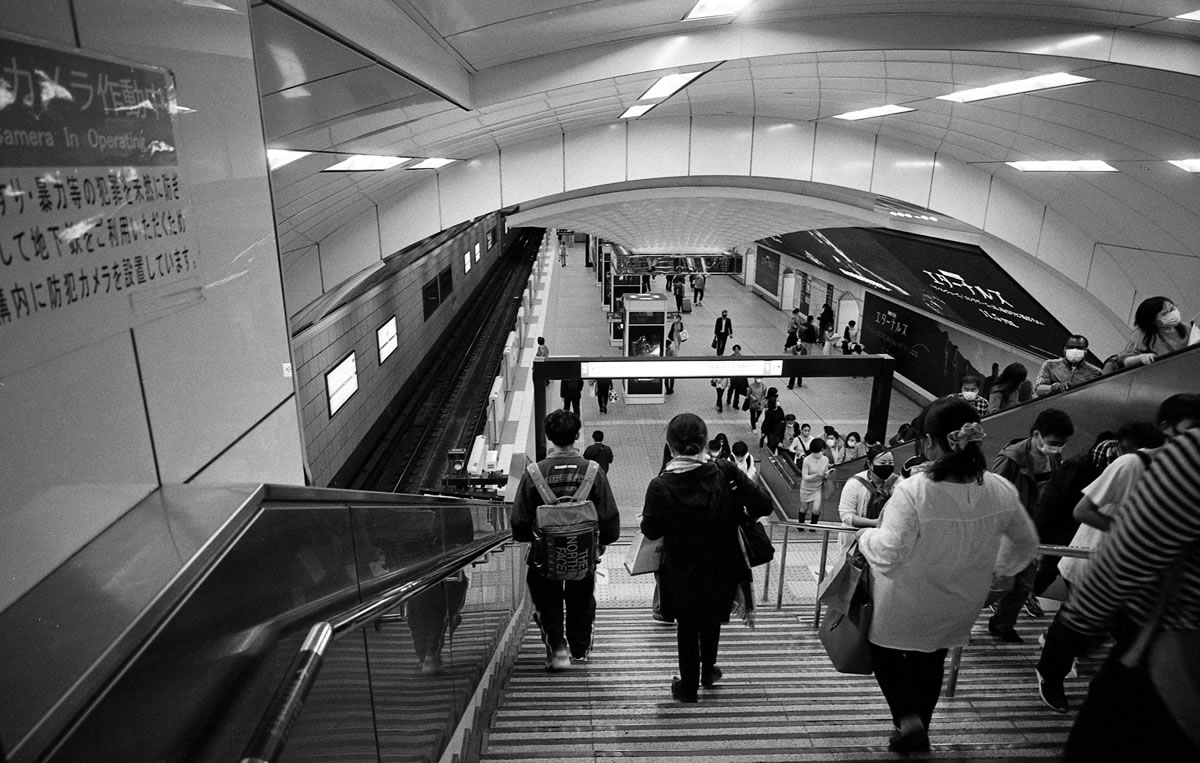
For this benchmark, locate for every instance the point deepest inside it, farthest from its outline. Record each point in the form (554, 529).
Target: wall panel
(658, 148)
(783, 149)
(595, 156)
(470, 189)
(721, 145)
(902, 172)
(531, 170)
(843, 157)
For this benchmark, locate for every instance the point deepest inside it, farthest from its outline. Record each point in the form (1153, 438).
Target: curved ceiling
(538, 69)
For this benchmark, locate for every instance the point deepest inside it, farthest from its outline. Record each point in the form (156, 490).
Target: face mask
(851, 443)
(830, 441)
(1051, 450)
(1170, 320)
(969, 394)
(883, 471)
(1074, 356)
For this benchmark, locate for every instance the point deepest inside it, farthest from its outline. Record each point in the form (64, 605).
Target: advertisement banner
(924, 351)
(956, 281)
(766, 271)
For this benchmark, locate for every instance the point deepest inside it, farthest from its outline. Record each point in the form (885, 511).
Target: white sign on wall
(385, 335)
(341, 383)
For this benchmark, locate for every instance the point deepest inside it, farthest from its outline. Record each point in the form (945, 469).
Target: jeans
(755, 413)
(553, 598)
(1063, 645)
(697, 641)
(911, 682)
(1009, 605)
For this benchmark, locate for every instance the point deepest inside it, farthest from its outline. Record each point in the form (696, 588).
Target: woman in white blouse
(945, 533)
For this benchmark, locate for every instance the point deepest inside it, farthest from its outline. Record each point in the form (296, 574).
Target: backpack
(566, 530)
(878, 498)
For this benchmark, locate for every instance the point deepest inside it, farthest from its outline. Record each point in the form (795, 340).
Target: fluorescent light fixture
(278, 157)
(341, 383)
(1064, 165)
(669, 85)
(431, 164)
(640, 368)
(1040, 82)
(385, 337)
(878, 111)
(707, 9)
(209, 4)
(1193, 16)
(1190, 165)
(926, 218)
(635, 111)
(366, 163)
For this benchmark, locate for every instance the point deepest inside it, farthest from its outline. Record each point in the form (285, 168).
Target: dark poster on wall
(956, 281)
(766, 270)
(923, 350)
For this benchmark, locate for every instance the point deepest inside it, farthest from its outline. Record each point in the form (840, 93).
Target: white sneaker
(560, 660)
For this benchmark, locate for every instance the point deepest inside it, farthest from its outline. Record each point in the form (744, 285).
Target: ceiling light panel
(635, 111)
(1040, 82)
(669, 85)
(1063, 165)
(366, 163)
(1193, 16)
(1191, 165)
(707, 9)
(278, 157)
(878, 111)
(431, 164)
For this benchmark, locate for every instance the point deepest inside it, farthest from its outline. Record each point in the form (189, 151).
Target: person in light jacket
(945, 533)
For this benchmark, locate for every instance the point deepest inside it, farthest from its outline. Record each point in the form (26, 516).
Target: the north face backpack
(566, 530)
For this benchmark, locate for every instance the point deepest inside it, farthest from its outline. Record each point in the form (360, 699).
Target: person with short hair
(722, 330)
(945, 533)
(969, 391)
(698, 282)
(1028, 464)
(599, 452)
(756, 400)
(738, 385)
(564, 469)
(696, 506)
(743, 459)
(541, 352)
(855, 447)
(1071, 370)
(850, 336)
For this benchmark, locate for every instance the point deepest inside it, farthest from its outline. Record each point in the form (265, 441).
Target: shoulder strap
(867, 484)
(1144, 456)
(535, 474)
(585, 487)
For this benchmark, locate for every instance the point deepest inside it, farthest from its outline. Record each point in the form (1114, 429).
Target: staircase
(779, 700)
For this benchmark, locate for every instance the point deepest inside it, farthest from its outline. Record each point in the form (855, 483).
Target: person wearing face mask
(756, 399)
(1157, 330)
(854, 446)
(944, 535)
(835, 444)
(1028, 464)
(1069, 371)
(864, 494)
(969, 391)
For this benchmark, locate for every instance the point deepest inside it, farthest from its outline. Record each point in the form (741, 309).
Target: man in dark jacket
(1028, 464)
(599, 452)
(564, 470)
(571, 391)
(722, 330)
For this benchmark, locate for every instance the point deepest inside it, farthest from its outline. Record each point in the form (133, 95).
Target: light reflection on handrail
(271, 734)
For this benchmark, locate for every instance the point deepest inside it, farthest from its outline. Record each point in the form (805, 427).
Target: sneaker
(1032, 607)
(1007, 635)
(581, 658)
(559, 660)
(660, 619)
(1052, 694)
(708, 677)
(681, 694)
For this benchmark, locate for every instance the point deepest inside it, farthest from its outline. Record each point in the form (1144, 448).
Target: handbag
(848, 611)
(1168, 658)
(714, 343)
(756, 543)
(643, 555)
(683, 335)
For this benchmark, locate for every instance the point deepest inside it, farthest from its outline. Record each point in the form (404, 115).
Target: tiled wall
(330, 441)
(199, 395)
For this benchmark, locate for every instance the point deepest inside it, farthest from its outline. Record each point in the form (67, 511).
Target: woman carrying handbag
(697, 506)
(943, 535)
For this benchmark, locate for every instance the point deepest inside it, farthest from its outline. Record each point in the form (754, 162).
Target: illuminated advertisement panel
(341, 383)
(958, 282)
(385, 335)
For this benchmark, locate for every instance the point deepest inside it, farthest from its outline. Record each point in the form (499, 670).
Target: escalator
(166, 637)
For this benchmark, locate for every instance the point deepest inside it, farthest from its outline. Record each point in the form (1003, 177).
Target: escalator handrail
(273, 729)
(1043, 549)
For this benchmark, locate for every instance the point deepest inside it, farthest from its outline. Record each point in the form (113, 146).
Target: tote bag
(848, 610)
(643, 555)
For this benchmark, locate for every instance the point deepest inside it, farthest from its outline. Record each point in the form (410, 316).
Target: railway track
(447, 409)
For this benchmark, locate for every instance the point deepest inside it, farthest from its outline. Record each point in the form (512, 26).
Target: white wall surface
(199, 394)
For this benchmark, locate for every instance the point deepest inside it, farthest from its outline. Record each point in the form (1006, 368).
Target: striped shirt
(1158, 525)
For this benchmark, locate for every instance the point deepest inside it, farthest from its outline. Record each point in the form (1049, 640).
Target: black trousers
(555, 598)
(754, 414)
(431, 613)
(721, 340)
(571, 404)
(697, 641)
(911, 682)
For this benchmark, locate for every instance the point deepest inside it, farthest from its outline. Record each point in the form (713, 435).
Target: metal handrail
(825, 528)
(273, 729)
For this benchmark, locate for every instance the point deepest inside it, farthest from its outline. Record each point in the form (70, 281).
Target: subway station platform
(575, 324)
